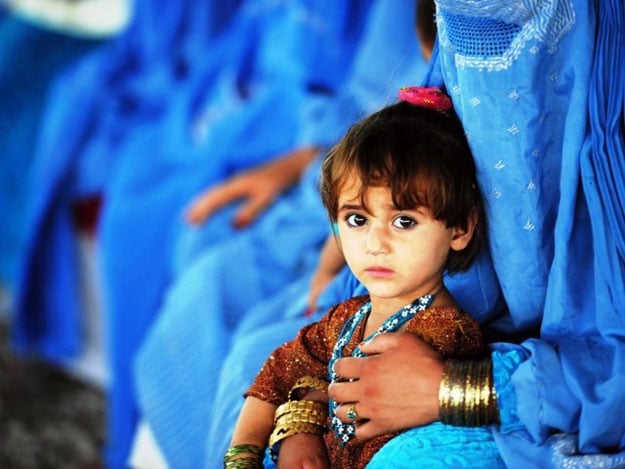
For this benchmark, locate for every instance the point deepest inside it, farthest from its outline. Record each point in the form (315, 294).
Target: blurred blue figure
(93, 109)
(30, 58)
(242, 106)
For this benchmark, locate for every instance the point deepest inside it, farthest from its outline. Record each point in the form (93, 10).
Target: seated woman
(545, 128)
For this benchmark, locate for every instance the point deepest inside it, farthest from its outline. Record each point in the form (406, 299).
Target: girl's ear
(460, 237)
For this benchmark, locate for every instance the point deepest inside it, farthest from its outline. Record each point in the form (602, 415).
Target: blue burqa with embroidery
(539, 87)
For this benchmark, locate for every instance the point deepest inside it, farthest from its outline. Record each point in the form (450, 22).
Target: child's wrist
(295, 416)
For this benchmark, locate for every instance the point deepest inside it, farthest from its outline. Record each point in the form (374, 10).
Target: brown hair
(423, 156)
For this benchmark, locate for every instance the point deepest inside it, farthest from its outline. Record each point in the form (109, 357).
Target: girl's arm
(254, 424)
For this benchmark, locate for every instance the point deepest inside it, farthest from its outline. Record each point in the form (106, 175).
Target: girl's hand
(395, 388)
(303, 451)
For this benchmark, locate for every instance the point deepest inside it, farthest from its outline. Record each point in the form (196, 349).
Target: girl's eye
(404, 222)
(355, 219)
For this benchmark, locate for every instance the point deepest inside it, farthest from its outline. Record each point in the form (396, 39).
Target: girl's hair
(423, 156)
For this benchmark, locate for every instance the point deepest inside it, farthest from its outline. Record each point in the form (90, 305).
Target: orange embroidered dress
(449, 331)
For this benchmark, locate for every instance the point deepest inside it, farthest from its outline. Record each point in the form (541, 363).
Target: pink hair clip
(429, 97)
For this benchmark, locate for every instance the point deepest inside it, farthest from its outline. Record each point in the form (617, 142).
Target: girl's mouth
(379, 272)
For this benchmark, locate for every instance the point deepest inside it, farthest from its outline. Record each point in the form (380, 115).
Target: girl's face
(398, 255)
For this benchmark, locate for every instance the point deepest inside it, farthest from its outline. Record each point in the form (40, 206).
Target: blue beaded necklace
(346, 431)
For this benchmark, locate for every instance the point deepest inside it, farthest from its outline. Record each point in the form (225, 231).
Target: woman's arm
(259, 187)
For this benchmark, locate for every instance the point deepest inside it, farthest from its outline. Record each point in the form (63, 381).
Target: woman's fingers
(211, 200)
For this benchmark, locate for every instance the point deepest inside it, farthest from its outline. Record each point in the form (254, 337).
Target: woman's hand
(395, 387)
(258, 187)
(303, 451)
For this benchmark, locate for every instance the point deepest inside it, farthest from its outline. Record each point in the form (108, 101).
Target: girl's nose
(377, 241)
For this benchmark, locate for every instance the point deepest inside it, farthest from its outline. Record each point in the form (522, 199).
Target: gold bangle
(317, 418)
(295, 417)
(309, 383)
(466, 395)
(300, 406)
(283, 431)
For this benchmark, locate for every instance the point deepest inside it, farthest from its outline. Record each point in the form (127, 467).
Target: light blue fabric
(546, 128)
(439, 446)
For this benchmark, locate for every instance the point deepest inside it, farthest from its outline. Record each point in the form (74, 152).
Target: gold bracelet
(312, 408)
(283, 431)
(316, 418)
(309, 383)
(295, 417)
(466, 395)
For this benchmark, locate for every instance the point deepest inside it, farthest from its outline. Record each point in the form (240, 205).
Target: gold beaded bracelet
(467, 395)
(231, 461)
(308, 383)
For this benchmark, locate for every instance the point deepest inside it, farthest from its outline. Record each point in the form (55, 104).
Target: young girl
(401, 193)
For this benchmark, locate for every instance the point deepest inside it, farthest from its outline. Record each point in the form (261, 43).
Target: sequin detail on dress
(346, 431)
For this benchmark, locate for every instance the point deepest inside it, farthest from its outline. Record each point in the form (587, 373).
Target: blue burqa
(539, 87)
(92, 110)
